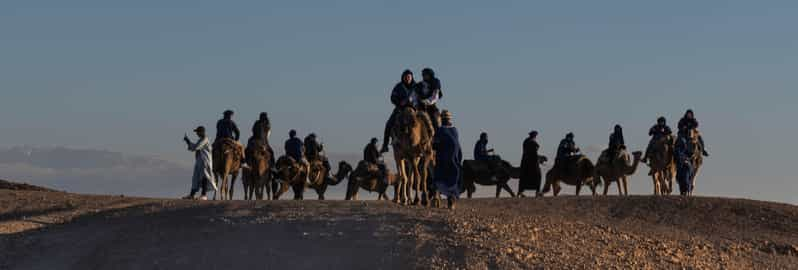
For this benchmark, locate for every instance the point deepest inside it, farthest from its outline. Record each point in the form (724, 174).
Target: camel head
(287, 168)
(406, 124)
(637, 155)
(344, 169)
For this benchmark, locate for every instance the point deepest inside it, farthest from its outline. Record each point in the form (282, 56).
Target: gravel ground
(56, 230)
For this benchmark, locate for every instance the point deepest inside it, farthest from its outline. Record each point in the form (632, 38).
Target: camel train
(411, 129)
(413, 155)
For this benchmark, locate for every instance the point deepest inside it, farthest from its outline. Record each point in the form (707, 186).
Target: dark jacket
(312, 148)
(530, 166)
(294, 148)
(261, 128)
(683, 151)
(226, 128)
(616, 140)
(658, 131)
(449, 162)
(481, 150)
(687, 123)
(371, 154)
(403, 95)
(567, 148)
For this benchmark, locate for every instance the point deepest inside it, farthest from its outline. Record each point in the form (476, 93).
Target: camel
(257, 176)
(617, 169)
(698, 158)
(412, 148)
(663, 170)
(576, 171)
(366, 176)
(294, 177)
(479, 173)
(226, 161)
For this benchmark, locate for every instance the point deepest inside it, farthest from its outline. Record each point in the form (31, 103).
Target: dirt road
(54, 230)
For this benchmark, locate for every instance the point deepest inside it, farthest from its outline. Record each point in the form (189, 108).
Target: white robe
(203, 166)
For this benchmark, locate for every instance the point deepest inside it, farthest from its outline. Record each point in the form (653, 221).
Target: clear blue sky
(133, 76)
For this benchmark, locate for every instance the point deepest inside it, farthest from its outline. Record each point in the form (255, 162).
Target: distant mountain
(107, 172)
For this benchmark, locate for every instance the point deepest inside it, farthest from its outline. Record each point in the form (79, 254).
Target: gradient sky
(133, 76)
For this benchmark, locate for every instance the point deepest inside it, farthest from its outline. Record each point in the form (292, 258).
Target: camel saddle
(226, 144)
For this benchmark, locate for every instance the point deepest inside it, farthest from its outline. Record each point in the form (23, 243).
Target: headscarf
(405, 73)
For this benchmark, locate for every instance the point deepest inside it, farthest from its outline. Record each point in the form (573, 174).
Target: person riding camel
(261, 131)
(296, 150)
(688, 122)
(657, 132)
(616, 142)
(227, 129)
(566, 149)
(403, 95)
(373, 156)
(429, 93)
(313, 151)
(481, 151)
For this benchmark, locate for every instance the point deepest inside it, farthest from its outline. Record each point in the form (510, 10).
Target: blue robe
(684, 166)
(449, 160)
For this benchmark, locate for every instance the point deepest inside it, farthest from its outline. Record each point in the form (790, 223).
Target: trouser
(203, 187)
(684, 172)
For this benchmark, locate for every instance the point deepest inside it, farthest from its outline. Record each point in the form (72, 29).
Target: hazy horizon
(133, 77)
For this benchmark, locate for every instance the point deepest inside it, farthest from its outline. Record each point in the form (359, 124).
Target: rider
(689, 122)
(227, 129)
(372, 155)
(262, 127)
(481, 151)
(658, 131)
(261, 131)
(402, 96)
(314, 149)
(616, 141)
(296, 150)
(566, 149)
(428, 93)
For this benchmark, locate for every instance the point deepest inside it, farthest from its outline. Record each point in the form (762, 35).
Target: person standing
(449, 160)
(203, 164)
(684, 152)
(530, 166)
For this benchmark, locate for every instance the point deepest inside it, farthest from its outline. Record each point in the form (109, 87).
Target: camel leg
(233, 179)
(625, 186)
(401, 196)
(416, 184)
(425, 183)
(556, 189)
(508, 189)
(692, 179)
(218, 188)
(606, 186)
(578, 187)
(320, 191)
(498, 191)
